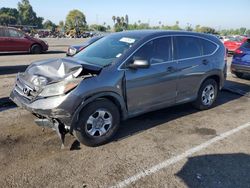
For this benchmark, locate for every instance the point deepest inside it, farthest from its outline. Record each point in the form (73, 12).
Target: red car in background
(234, 43)
(14, 40)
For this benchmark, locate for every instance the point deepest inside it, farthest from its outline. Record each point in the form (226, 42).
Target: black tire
(81, 129)
(36, 49)
(199, 103)
(239, 74)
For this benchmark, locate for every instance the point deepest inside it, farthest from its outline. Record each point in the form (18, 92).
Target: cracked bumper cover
(50, 108)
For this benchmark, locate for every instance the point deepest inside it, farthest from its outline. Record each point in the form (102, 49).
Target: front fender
(109, 95)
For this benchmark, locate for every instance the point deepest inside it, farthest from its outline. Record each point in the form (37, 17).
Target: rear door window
(3, 32)
(15, 33)
(187, 47)
(156, 51)
(207, 47)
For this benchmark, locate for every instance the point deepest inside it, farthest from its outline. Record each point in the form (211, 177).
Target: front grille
(24, 90)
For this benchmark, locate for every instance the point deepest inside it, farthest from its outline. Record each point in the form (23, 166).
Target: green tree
(242, 30)
(61, 24)
(8, 16)
(27, 15)
(207, 30)
(197, 28)
(114, 19)
(75, 19)
(49, 25)
(98, 27)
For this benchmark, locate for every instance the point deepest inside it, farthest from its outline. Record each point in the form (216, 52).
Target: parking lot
(173, 147)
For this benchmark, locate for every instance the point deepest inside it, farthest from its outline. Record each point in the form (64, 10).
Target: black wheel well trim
(112, 96)
(215, 77)
(36, 44)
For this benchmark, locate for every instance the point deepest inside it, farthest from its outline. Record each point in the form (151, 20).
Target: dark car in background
(74, 49)
(241, 60)
(121, 76)
(14, 40)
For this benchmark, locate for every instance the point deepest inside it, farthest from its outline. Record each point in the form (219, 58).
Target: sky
(219, 14)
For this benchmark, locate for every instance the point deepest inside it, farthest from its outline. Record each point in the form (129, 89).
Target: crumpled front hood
(44, 72)
(54, 69)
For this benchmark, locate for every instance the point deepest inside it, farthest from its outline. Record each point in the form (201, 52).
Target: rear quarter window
(207, 47)
(187, 47)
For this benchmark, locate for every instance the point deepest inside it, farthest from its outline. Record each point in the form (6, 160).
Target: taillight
(238, 51)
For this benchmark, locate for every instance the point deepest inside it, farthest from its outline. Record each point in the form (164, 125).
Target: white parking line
(178, 158)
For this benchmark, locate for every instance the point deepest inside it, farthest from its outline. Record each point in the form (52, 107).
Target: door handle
(170, 69)
(205, 62)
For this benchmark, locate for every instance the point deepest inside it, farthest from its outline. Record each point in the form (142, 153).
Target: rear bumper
(240, 68)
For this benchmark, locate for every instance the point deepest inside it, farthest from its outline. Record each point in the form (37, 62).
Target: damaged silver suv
(121, 76)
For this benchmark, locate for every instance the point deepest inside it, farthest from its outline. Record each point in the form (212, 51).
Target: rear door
(18, 41)
(194, 61)
(4, 40)
(153, 87)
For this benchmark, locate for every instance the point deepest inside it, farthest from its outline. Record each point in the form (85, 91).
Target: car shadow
(12, 69)
(149, 120)
(241, 87)
(218, 170)
(55, 52)
(6, 104)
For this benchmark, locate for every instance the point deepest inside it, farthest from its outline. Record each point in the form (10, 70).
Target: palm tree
(118, 20)
(122, 19)
(126, 19)
(113, 18)
(139, 21)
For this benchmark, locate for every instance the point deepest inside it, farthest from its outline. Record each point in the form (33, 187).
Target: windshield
(104, 51)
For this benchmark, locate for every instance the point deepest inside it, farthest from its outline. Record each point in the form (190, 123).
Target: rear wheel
(207, 95)
(239, 74)
(36, 49)
(97, 123)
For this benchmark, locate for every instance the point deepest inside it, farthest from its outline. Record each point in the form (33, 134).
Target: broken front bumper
(60, 108)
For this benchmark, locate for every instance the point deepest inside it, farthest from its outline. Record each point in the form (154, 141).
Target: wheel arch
(215, 77)
(111, 96)
(33, 44)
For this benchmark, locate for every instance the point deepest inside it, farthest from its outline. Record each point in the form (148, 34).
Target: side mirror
(137, 64)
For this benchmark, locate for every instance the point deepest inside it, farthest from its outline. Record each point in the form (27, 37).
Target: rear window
(246, 44)
(187, 47)
(3, 32)
(207, 47)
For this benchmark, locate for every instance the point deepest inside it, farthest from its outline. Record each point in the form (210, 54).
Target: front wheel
(97, 123)
(207, 95)
(36, 49)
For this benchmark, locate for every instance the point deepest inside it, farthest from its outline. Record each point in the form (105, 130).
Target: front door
(154, 87)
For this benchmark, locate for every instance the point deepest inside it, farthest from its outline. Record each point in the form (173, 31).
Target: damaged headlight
(72, 51)
(39, 81)
(59, 88)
